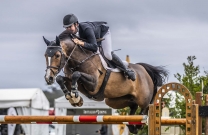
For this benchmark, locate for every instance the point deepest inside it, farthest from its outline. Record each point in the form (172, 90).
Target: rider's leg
(107, 49)
(107, 45)
(128, 72)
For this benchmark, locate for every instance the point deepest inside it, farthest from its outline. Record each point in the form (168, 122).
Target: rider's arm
(91, 43)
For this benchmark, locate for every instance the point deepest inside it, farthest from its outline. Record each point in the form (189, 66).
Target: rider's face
(73, 28)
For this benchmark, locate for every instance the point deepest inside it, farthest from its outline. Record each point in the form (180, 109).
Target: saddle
(107, 64)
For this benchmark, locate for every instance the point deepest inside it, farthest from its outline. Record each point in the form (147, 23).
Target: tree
(205, 82)
(191, 78)
(193, 81)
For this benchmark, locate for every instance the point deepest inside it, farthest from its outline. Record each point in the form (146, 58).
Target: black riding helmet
(69, 20)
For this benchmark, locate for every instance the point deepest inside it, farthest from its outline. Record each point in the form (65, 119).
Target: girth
(99, 96)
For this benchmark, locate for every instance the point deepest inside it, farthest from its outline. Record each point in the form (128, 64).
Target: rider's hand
(77, 41)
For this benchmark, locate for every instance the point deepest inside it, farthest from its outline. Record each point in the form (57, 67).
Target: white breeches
(107, 45)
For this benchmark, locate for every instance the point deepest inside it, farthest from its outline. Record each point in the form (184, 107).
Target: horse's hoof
(67, 96)
(139, 127)
(73, 105)
(132, 129)
(80, 103)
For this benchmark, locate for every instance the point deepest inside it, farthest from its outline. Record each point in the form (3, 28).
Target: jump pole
(85, 119)
(72, 118)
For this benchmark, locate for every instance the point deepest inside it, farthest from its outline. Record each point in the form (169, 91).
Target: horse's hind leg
(133, 128)
(142, 112)
(122, 102)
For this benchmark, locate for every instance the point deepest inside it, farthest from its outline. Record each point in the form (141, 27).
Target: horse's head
(55, 60)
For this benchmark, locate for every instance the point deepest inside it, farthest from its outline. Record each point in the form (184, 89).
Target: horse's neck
(87, 58)
(77, 53)
(81, 53)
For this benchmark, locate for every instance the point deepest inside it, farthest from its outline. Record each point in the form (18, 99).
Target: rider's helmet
(69, 20)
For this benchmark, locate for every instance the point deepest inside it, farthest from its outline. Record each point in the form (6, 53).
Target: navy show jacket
(90, 31)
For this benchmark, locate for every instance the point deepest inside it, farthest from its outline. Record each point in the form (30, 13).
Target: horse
(85, 73)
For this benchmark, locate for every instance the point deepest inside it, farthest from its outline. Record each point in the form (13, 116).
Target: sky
(157, 32)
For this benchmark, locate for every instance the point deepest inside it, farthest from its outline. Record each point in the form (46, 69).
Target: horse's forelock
(65, 39)
(53, 43)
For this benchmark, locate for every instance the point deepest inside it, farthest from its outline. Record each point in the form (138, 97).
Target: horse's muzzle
(49, 80)
(49, 77)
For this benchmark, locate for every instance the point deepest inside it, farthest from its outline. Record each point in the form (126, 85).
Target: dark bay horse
(84, 72)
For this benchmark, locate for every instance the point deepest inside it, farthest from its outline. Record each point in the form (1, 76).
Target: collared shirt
(77, 34)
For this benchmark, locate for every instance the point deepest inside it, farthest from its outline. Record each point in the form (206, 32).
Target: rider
(90, 31)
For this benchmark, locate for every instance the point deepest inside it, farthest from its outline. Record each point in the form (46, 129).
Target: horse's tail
(158, 75)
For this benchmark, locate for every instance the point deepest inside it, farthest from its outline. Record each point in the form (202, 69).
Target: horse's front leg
(89, 83)
(65, 84)
(87, 80)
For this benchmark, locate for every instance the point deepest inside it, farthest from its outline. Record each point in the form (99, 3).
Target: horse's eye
(57, 56)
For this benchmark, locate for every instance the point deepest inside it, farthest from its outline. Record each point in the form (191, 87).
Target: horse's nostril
(50, 79)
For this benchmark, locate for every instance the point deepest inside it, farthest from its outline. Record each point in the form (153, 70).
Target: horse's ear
(57, 41)
(46, 41)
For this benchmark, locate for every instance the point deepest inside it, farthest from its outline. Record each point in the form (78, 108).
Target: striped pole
(73, 119)
(126, 123)
(86, 119)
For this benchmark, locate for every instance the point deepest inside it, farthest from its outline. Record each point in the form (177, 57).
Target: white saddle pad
(105, 65)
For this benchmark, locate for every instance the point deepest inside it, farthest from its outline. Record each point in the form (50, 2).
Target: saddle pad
(105, 65)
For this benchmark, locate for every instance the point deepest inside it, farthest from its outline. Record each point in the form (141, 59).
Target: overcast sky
(157, 32)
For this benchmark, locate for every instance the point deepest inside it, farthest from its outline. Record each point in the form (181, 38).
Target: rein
(78, 65)
(88, 57)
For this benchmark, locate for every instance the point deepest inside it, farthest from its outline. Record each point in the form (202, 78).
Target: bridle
(62, 62)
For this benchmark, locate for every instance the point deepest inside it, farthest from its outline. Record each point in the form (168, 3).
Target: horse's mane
(65, 34)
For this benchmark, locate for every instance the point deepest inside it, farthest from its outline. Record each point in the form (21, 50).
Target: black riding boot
(127, 72)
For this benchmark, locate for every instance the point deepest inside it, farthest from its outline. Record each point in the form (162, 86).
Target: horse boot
(119, 64)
